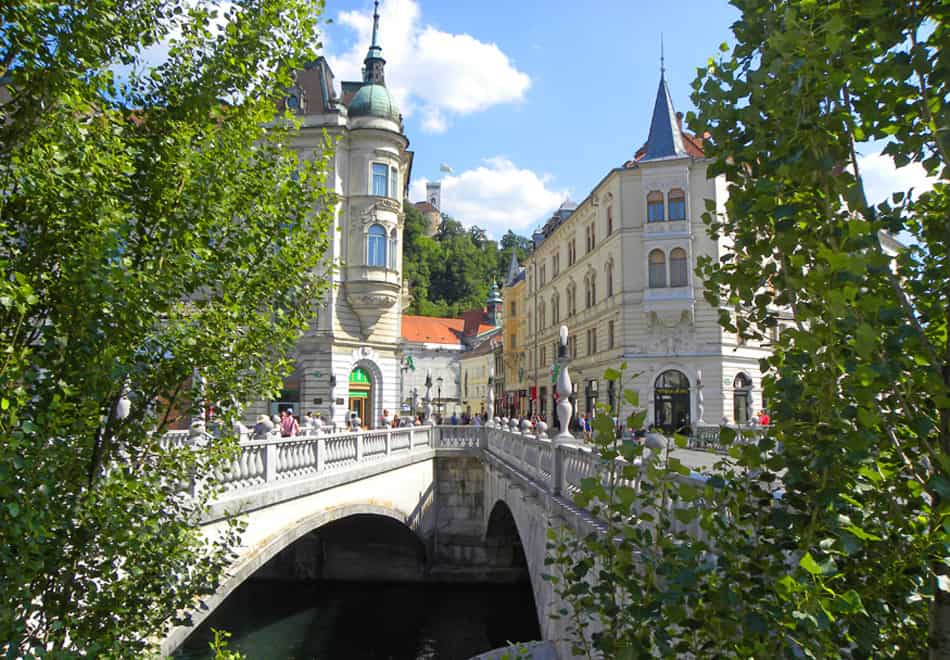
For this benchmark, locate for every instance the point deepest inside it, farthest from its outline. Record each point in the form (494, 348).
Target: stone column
(564, 390)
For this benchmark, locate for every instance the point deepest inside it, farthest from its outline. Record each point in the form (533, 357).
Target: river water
(278, 620)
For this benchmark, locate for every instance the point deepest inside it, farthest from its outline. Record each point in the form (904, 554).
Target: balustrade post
(389, 442)
(557, 468)
(270, 462)
(412, 437)
(321, 453)
(359, 447)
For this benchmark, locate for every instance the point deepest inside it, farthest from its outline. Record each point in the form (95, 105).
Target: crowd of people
(288, 425)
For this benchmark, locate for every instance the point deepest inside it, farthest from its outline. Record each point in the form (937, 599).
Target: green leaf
(632, 397)
(14, 509)
(809, 564)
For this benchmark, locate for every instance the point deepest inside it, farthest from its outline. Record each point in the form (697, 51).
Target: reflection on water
(341, 620)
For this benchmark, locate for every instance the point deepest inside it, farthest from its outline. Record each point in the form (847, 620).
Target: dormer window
(380, 179)
(677, 203)
(655, 206)
(376, 247)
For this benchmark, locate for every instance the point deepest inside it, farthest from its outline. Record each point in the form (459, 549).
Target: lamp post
(428, 397)
(439, 397)
(491, 397)
(332, 403)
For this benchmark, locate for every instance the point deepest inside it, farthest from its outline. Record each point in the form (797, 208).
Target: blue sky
(528, 102)
(532, 102)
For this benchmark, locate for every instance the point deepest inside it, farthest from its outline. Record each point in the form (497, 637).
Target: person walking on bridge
(288, 423)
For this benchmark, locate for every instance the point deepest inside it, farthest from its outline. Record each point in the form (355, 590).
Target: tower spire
(373, 65)
(662, 62)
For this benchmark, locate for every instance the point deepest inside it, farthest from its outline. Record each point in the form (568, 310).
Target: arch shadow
(255, 558)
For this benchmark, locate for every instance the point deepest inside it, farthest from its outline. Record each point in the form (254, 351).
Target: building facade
(516, 398)
(618, 271)
(349, 359)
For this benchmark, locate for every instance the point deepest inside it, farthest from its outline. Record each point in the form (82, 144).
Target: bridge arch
(515, 512)
(253, 559)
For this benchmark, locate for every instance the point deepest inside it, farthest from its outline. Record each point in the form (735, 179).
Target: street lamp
(439, 394)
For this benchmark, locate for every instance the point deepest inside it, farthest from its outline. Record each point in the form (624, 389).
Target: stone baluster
(389, 442)
(564, 390)
(359, 447)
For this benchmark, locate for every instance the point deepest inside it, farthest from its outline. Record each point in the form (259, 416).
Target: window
(393, 183)
(657, 269)
(591, 341)
(544, 356)
(571, 252)
(542, 319)
(380, 179)
(376, 247)
(392, 249)
(610, 334)
(678, 270)
(590, 236)
(677, 204)
(588, 297)
(571, 300)
(555, 309)
(572, 346)
(655, 206)
(657, 275)
(593, 289)
(541, 276)
(512, 309)
(610, 278)
(555, 264)
(610, 220)
(513, 340)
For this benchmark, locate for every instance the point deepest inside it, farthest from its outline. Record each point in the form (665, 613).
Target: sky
(533, 102)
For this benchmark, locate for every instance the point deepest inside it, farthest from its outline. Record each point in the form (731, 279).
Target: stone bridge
(477, 502)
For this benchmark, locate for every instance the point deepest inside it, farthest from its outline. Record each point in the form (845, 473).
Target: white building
(349, 360)
(618, 270)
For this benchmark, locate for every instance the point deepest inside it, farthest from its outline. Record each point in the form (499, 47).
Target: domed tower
(349, 361)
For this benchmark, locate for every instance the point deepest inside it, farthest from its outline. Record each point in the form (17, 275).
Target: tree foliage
(151, 224)
(829, 537)
(452, 271)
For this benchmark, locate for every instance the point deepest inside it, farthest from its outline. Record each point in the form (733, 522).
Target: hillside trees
(829, 537)
(151, 224)
(453, 270)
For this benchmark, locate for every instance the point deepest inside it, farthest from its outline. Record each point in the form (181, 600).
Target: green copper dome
(374, 101)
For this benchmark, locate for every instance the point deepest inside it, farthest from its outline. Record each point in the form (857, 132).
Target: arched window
(610, 278)
(677, 200)
(571, 299)
(593, 288)
(542, 316)
(655, 206)
(742, 398)
(555, 309)
(671, 400)
(376, 247)
(678, 270)
(657, 269)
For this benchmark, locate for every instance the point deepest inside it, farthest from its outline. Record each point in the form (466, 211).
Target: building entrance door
(671, 402)
(361, 396)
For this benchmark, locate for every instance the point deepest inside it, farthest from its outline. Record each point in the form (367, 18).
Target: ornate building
(618, 270)
(349, 360)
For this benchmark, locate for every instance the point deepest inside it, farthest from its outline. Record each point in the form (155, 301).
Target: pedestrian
(316, 422)
(355, 422)
(585, 427)
(764, 419)
(454, 420)
(385, 421)
(263, 426)
(288, 424)
(395, 422)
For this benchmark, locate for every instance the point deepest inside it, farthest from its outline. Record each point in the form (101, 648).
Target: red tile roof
(426, 207)
(435, 330)
(692, 143)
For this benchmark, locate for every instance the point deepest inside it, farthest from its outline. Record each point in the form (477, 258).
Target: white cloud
(429, 71)
(881, 177)
(496, 196)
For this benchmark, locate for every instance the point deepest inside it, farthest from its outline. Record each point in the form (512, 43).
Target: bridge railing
(706, 438)
(275, 459)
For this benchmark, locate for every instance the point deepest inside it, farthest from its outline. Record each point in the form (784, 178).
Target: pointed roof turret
(513, 268)
(666, 138)
(373, 65)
